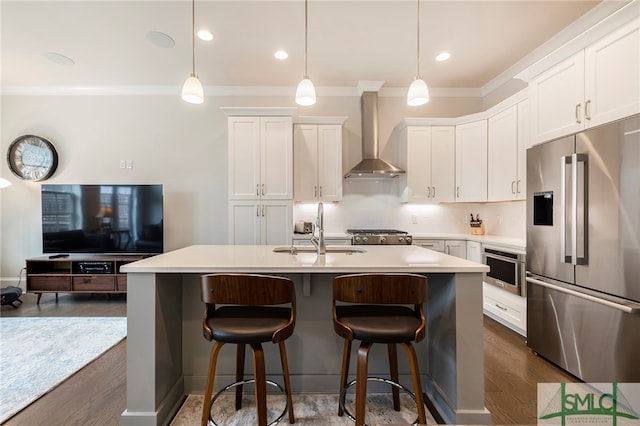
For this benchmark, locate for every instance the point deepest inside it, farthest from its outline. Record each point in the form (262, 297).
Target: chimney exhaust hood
(371, 166)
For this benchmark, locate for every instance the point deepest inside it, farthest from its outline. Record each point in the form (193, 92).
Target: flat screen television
(102, 219)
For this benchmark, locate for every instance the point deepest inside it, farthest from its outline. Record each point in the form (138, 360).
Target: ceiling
(348, 41)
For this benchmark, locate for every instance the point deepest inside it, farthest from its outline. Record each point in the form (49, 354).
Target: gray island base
(167, 357)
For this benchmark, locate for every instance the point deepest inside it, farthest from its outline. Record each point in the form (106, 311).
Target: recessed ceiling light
(443, 56)
(281, 54)
(59, 58)
(160, 39)
(205, 35)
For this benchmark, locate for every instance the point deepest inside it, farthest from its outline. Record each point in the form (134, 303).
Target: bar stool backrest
(249, 290)
(380, 289)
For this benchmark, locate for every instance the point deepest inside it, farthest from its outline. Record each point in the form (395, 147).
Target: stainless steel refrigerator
(583, 252)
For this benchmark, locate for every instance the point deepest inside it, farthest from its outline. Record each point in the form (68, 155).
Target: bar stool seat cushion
(243, 324)
(380, 324)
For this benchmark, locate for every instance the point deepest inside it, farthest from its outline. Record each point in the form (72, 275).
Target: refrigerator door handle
(564, 258)
(580, 205)
(628, 307)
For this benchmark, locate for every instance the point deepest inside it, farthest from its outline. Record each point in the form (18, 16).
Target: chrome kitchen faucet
(318, 241)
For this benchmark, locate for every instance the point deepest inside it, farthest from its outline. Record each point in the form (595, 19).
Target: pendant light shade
(306, 92)
(418, 91)
(192, 90)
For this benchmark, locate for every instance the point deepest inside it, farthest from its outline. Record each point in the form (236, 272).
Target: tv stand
(77, 274)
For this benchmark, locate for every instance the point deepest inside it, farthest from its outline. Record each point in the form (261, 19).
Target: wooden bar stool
(248, 317)
(370, 311)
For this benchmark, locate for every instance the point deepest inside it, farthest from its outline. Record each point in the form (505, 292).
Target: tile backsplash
(375, 204)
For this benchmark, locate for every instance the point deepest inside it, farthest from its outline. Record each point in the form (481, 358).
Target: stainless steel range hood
(371, 166)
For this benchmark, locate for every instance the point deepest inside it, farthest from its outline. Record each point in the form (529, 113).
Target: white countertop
(262, 259)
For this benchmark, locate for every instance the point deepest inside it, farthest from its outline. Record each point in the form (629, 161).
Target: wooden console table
(77, 274)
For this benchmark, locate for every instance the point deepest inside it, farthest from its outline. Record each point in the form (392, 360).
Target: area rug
(309, 410)
(38, 353)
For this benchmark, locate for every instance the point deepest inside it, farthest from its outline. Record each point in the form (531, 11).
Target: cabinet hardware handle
(315, 190)
(513, 186)
(428, 192)
(263, 210)
(321, 190)
(500, 307)
(434, 192)
(578, 107)
(518, 187)
(263, 189)
(257, 189)
(258, 211)
(457, 192)
(587, 109)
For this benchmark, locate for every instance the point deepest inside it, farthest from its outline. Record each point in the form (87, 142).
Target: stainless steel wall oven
(507, 269)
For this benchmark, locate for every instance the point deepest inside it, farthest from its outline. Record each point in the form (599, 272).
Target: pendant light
(306, 92)
(418, 91)
(192, 90)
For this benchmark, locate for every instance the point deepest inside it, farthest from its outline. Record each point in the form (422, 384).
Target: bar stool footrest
(246, 382)
(343, 394)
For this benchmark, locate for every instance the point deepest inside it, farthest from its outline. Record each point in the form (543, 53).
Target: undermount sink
(312, 249)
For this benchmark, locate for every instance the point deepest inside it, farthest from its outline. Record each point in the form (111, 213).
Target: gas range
(379, 237)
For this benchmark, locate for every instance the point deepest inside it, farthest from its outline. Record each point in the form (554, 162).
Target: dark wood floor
(96, 395)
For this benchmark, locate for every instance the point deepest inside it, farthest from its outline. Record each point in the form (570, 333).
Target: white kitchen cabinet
(596, 85)
(430, 243)
(260, 222)
(317, 162)
(507, 139)
(428, 156)
(507, 308)
(471, 161)
(260, 151)
(457, 248)
(474, 251)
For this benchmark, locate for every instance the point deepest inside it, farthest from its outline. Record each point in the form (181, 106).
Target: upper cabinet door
(612, 76)
(305, 162)
(330, 162)
(556, 97)
(244, 157)
(317, 162)
(417, 164)
(503, 155)
(443, 161)
(276, 146)
(471, 161)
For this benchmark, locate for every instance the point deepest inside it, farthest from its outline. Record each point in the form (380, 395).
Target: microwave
(507, 269)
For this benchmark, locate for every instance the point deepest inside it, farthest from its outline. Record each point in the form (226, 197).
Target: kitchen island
(167, 357)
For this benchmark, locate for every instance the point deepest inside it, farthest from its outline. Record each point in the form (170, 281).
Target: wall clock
(32, 158)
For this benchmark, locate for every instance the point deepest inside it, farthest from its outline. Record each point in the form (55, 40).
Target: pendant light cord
(306, 75)
(193, 35)
(418, 45)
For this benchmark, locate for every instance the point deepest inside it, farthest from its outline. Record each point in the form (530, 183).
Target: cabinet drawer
(510, 308)
(48, 283)
(93, 283)
(121, 283)
(435, 245)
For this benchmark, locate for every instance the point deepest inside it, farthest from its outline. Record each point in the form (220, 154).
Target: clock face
(32, 158)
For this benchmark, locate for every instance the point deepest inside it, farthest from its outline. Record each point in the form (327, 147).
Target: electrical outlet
(123, 164)
(499, 220)
(129, 164)
(414, 219)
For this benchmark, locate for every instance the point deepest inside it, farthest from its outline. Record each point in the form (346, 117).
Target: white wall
(182, 146)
